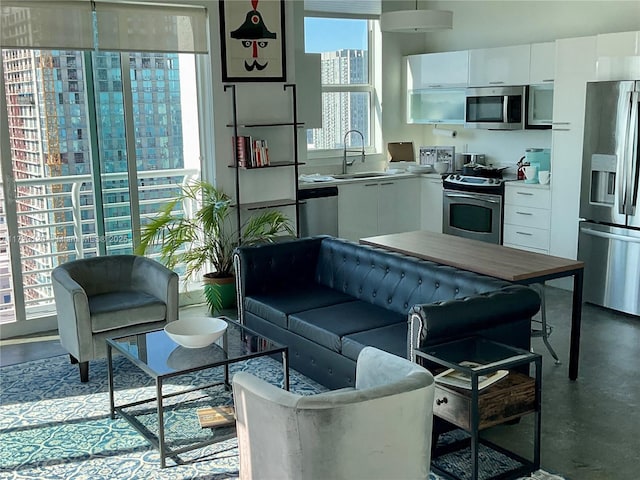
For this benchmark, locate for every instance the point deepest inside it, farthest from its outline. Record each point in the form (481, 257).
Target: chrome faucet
(346, 164)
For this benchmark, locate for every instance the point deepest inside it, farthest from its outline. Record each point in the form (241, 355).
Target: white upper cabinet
(437, 70)
(435, 87)
(499, 66)
(618, 56)
(542, 64)
(435, 105)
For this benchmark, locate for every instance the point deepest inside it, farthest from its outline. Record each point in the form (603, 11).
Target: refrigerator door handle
(623, 166)
(632, 155)
(609, 236)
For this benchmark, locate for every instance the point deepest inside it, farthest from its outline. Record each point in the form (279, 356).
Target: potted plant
(207, 237)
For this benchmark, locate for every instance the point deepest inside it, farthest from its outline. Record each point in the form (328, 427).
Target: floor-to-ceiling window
(94, 142)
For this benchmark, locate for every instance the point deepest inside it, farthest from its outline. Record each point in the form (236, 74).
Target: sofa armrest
(453, 319)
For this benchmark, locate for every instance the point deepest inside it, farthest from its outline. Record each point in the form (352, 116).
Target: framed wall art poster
(252, 40)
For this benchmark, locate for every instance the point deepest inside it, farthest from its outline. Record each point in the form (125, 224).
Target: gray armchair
(380, 429)
(111, 296)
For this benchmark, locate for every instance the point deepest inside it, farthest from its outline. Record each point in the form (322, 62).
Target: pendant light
(416, 21)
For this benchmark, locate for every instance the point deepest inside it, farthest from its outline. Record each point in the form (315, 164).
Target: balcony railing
(57, 223)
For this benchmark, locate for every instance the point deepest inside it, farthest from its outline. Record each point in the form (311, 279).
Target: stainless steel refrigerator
(609, 240)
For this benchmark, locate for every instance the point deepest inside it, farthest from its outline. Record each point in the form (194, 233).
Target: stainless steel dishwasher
(318, 211)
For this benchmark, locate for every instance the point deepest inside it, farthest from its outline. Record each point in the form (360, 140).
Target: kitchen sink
(348, 176)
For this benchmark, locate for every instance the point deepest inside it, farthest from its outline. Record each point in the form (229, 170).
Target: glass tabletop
(489, 353)
(158, 355)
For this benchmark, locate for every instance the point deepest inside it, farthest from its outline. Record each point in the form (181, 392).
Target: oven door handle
(471, 197)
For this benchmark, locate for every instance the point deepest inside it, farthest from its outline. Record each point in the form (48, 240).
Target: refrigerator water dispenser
(603, 179)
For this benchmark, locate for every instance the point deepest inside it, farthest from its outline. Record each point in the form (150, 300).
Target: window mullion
(10, 208)
(130, 138)
(96, 173)
(347, 88)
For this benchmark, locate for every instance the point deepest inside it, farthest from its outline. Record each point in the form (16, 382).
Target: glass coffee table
(162, 359)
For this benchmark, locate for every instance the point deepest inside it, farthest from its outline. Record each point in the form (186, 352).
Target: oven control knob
(457, 177)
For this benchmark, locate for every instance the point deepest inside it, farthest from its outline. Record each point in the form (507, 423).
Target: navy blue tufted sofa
(327, 298)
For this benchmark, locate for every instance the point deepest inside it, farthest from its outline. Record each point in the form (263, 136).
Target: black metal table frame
(528, 465)
(159, 440)
(576, 312)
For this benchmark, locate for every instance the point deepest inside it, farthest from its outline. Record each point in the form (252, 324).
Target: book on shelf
(220, 416)
(251, 152)
(457, 378)
(239, 149)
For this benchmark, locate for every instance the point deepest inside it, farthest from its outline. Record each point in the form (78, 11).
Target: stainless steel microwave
(495, 108)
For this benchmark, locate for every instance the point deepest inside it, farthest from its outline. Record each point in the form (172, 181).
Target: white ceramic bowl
(441, 167)
(196, 332)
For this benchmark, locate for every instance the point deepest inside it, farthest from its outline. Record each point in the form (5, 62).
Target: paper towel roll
(441, 132)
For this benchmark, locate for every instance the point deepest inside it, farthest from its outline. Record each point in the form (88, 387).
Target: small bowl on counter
(441, 167)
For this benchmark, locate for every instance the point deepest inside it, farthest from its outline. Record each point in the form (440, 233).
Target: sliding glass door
(97, 142)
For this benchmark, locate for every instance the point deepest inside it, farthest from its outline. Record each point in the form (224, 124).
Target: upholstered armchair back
(379, 430)
(104, 274)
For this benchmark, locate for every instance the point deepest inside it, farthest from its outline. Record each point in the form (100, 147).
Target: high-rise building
(50, 121)
(342, 111)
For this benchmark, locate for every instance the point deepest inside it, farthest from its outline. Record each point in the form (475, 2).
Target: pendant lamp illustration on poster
(252, 38)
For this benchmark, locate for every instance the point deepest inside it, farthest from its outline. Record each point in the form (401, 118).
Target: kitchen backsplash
(501, 148)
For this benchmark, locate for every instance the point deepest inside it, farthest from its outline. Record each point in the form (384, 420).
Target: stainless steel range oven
(473, 207)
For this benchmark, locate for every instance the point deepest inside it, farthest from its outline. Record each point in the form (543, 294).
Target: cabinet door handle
(496, 83)
(561, 123)
(524, 213)
(525, 233)
(525, 193)
(441, 401)
(387, 183)
(548, 80)
(561, 129)
(370, 184)
(435, 86)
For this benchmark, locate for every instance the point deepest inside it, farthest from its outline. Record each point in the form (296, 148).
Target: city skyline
(51, 124)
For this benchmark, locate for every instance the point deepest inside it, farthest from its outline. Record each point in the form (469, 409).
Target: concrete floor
(590, 427)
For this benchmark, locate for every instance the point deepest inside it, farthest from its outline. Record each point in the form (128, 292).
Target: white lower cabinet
(378, 207)
(431, 204)
(398, 205)
(527, 217)
(358, 210)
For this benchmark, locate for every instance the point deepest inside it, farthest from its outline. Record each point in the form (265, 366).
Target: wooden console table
(517, 266)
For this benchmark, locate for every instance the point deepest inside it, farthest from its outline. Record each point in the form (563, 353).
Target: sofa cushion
(392, 338)
(328, 325)
(277, 306)
(117, 309)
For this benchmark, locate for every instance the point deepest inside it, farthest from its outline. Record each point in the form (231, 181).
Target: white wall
(480, 24)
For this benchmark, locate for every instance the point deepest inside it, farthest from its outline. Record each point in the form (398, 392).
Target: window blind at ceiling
(70, 25)
(344, 8)
(138, 27)
(27, 24)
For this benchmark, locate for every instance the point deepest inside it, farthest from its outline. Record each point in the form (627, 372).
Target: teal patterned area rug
(52, 426)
